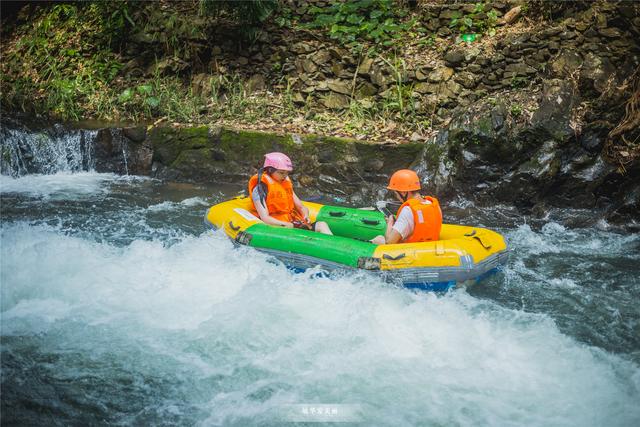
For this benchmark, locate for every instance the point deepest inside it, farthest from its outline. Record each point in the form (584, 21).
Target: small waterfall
(124, 146)
(46, 151)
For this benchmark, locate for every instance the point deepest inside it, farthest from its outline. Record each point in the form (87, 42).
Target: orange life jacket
(427, 219)
(279, 201)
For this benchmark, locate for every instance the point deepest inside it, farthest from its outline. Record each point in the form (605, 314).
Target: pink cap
(278, 160)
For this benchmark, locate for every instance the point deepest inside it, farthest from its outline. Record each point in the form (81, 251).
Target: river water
(118, 307)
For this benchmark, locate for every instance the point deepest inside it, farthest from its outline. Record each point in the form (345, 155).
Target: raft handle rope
(337, 213)
(479, 239)
(484, 245)
(233, 227)
(394, 258)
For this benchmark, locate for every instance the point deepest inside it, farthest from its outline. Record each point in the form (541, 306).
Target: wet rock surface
(485, 155)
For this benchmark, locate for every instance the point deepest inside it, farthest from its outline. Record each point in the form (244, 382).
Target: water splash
(203, 334)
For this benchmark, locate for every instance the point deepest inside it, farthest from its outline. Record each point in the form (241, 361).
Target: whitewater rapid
(118, 307)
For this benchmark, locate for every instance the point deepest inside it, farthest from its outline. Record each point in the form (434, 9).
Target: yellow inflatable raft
(463, 253)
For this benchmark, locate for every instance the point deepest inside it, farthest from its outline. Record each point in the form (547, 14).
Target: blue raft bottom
(417, 286)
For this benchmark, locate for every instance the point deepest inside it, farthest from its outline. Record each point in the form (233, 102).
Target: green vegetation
(516, 110)
(354, 22)
(519, 82)
(74, 61)
(400, 99)
(360, 68)
(65, 60)
(477, 21)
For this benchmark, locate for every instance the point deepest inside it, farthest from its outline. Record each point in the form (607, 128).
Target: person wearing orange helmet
(419, 218)
(274, 200)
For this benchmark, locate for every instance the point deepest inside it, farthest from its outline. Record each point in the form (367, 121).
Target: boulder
(336, 101)
(441, 74)
(365, 90)
(610, 32)
(553, 116)
(519, 69)
(512, 15)
(421, 74)
(115, 151)
(451, 89)
(597, 72)
(309, 66)
(336, 69)
(365, 66)
(565, 63)
(320, 57)
(378, 78)
(425, 88)
(471, 53)
(200, 85)
(448, 14)
(339, 86)
(543, 165)
(136, 133)
(302, 47)
(467, 79)
(298, 98)
(454, 57)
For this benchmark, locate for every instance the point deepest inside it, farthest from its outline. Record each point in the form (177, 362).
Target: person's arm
(304, 211)
(401, 228)
(391, 236)
(263, 213)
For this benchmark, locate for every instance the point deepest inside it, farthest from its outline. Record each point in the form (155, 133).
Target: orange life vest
(427, 219)
(279, 201)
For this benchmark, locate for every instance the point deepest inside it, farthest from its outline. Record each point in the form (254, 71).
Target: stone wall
(599, 44)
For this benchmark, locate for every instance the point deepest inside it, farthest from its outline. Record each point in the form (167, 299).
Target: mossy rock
(208, 154)
(169, 142)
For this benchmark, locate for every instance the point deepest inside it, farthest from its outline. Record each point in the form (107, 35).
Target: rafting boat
(462, 254)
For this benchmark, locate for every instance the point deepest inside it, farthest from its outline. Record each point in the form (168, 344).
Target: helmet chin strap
(404, 196)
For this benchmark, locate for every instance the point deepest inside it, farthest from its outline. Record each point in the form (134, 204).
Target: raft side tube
(337, 249)
(353, 223)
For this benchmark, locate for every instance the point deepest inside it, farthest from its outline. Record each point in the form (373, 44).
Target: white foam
(60, 186)
(168, 205)
(553, 228)
(524, 237)
(200, 308)
(33, 316)
(195, 201)
(563, 283)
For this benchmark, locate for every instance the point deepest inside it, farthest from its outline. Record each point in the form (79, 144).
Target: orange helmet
(404, 180)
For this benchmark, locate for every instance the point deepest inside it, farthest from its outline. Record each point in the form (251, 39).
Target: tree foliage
(351, 21)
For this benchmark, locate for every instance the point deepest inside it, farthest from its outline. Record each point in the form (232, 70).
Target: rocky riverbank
(485, 164)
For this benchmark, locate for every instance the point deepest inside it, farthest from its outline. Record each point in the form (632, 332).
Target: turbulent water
(118, 307)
